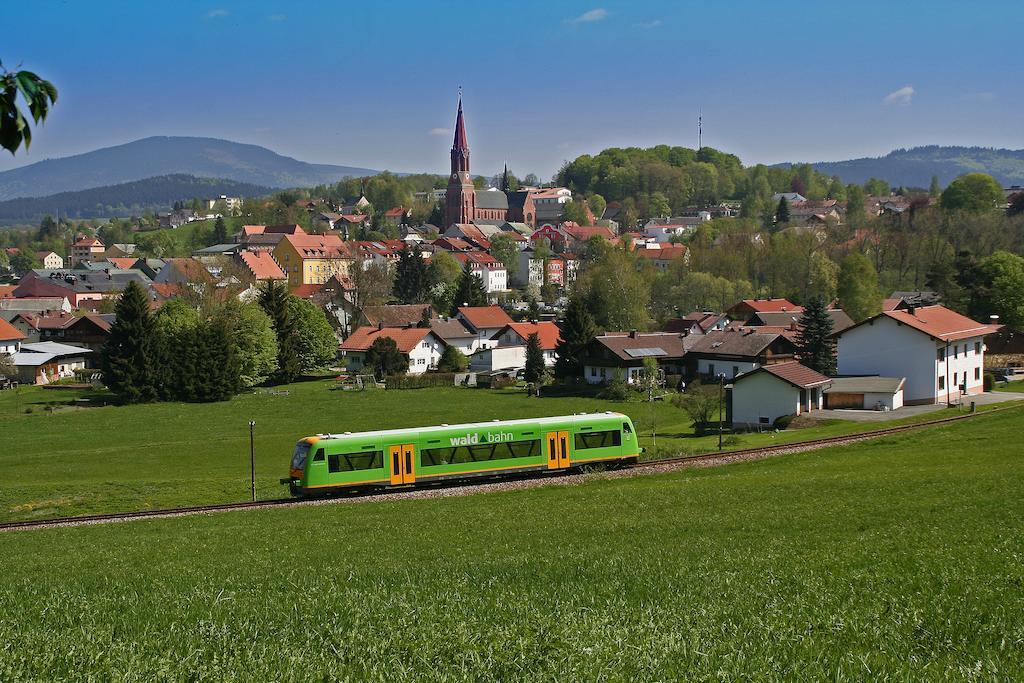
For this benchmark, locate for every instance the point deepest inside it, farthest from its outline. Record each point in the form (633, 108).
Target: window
(626, 428)
(352, 462)
(956, 350)
(711, 368)
(593, 371)
(977, 347)
(763, 420)
(479, 453)
(940, 355)
(954, 379)
(319, 457)
(942, 382)
(977, 373)
(585, 440)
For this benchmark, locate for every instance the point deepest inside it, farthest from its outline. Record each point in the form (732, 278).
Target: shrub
(989, 381)
(783, 422)
(429, 379)
(617, 389)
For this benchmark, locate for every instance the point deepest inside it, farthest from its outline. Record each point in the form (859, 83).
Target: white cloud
(654, 23)
(900, 97)
(590, 17)
(216, 13)
(440, 131)
(277, 17)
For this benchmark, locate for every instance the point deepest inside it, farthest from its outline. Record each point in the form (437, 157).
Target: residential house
(790, 197)
(664, 257)
(50, 259)
(418, 344)
(232, 204)
(791, 319)
(761, 396)
(518, 334)
(10, 338)
(78, 285)
(697, 322)
(663, 230)
(89, 331)
(550, 204)
(735, 351)
(262, 265)
(177, 218)
(86, 249)
(485, 322)
(745, 309)
(491, 271)
(184, 271)
(622, 354)
(358, 205)
(45, 362)
(396, 315)
(394, 217)
(940, 352)
(120, 250)
(537, 271)
(312, 259)
(865, 393)
(454, 333)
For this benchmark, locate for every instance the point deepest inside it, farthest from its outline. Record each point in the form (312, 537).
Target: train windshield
(299, 457)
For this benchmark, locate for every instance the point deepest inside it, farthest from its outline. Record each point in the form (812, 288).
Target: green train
(400, 457)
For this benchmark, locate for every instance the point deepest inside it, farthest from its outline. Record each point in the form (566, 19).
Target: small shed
(865, 393)
(763, 395)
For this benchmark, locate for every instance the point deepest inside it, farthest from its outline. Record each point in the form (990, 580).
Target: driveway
(910, 411)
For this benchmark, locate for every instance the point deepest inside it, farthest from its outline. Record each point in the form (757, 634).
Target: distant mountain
(915, 167)
(124, 199)
(158, 156)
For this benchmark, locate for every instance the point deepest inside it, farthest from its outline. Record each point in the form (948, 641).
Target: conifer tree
(534, 359)
(578, 329)
(782, 212)
(814, 342)
(411, 279)
(469, 291)
(273, 299)
(220, 231)
(128, 356)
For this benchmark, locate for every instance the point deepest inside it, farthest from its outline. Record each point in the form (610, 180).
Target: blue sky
(374, 83)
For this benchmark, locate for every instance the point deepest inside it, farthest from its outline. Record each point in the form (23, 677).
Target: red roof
(769, 305)
(123, 262)
(941, 323)
(482, 317)
(547, 331)
(397, 212)
(282, 229)
(792, 372)
(262, 265)
(663, 254)
(481, 257)
(88, 242)
(585, 232)
(305, 291)
(318, 246)
(253, 229)
(452, 244)
(165, 291)
(7, 291)
(9, 332)
(405, 337)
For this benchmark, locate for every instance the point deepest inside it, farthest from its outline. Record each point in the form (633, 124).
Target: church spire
(504, 179)
(460, 147)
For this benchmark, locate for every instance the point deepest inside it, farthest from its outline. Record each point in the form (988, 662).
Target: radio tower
(699, 131)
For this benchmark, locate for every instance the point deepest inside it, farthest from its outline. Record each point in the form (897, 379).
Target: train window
(599, 439)
(351, 462)
(626, 428)
(319, 457)
(479, 453)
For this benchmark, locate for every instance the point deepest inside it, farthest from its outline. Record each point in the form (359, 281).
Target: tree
(452, 360)
(935, 190)
(616, 291)
(220, 231)
(273, 299)
(385, 358)
(411, 285)
(1016, 204)
(127, 359)
(658, 206)
(597, 205)
(531, 180)
(856, 211)
(504, 248)
(35, 92)
(782, 212)
(941, 279)
(216, 373)
(858, 289)
(700, 401)
(1003, 273)
(877, 188)
(24, 261)
(575, 210)
(578, 330)
(535, 367)
(973, 193)
(316, 345)
(254, 343)
(814, 341)
(470, 290)
(532, 308)
(822, 277)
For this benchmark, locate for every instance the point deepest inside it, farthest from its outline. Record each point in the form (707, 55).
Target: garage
(865, 393)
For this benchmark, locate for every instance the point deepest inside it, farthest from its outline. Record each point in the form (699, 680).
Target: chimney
(380, 324)
(632, 334)
(912, 309)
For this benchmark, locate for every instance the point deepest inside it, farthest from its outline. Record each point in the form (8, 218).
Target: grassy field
(73, 460)
(1017, 386)
(887, 560)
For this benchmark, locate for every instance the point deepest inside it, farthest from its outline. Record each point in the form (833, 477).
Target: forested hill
(124, 199)
(158, 156)
(915, 167)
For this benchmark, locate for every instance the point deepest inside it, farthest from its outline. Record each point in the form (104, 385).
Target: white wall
(596, 374)
(731, 368)
(498, 358)
(888, 401)
(425, 355)
(762, 398)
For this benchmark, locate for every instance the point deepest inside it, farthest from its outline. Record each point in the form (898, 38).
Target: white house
(490, 270)
(45, 362)
(763, 395)
(498, 358)
(454, 333)
(10, 338)
(940, 352)
(484, 322)
(518, 334)
(865, 393)
(418, 344)
(50, 259)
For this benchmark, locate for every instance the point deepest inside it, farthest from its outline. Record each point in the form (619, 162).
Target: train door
(558, 450)
(403, 464)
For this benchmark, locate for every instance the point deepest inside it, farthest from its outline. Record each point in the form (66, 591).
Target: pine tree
(782, 212)
(411, 280)
(452, 360)
(220, 231)
(469, 291)
(385, 358)
(814, 341)
(935, 189)
(534, 359)
(578, 330)
(273, 299)
(128, 356)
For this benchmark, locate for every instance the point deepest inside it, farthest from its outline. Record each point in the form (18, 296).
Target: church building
(466, 204)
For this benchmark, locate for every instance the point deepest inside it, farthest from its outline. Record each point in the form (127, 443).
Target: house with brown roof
(518, 334)
(454, 333)
(86, 249)
(418, 344)
(745, 309)
(623, 354)
(734, 351)
(791, 319)
(940, 352)
(697, 322)
(312, 259)
(262, 265)
(50, 259)
(761, 396)
(396, 315)
(89, 331)
(485, 322)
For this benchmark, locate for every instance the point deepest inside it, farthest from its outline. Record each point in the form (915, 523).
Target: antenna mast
(700, 131)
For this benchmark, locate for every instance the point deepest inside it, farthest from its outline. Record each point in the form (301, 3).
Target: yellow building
(312, 259)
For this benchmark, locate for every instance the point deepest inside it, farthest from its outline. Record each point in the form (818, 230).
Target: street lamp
(252, 459)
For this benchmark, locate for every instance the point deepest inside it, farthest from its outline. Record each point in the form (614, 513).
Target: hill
(124, 199)
(156, 156)
(915, 167)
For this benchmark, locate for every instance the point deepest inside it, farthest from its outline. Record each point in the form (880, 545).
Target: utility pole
(252, 458)
(721, 393)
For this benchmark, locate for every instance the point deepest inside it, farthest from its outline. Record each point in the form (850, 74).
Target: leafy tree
(941, 279)
(254, 343)
(504, 248)
(597, 205)
(575, 210)
(935, 190)
(273, 299)
(531, 180)
(316, 345)
(444, 269)
(858, 289)
(822, 277)
(411, 284)
(877, 188)
(856, 211)
(701, 402)
(175, 349)
(616, 291)
(578, 330)
(782, 212)
(814, 341)
(24, 261)
(385, 358)
(128, 354)
(220, 230)
(452, 360)
(973, 193)
(373, 281)
(38, 94)
(535, 367)
(658, 206)
(1003, 273)
(216, 375)
(470, 290)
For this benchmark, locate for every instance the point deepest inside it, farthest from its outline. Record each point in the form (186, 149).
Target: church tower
(460, 199)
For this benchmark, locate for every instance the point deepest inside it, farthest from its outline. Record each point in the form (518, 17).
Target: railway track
(664, 464)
